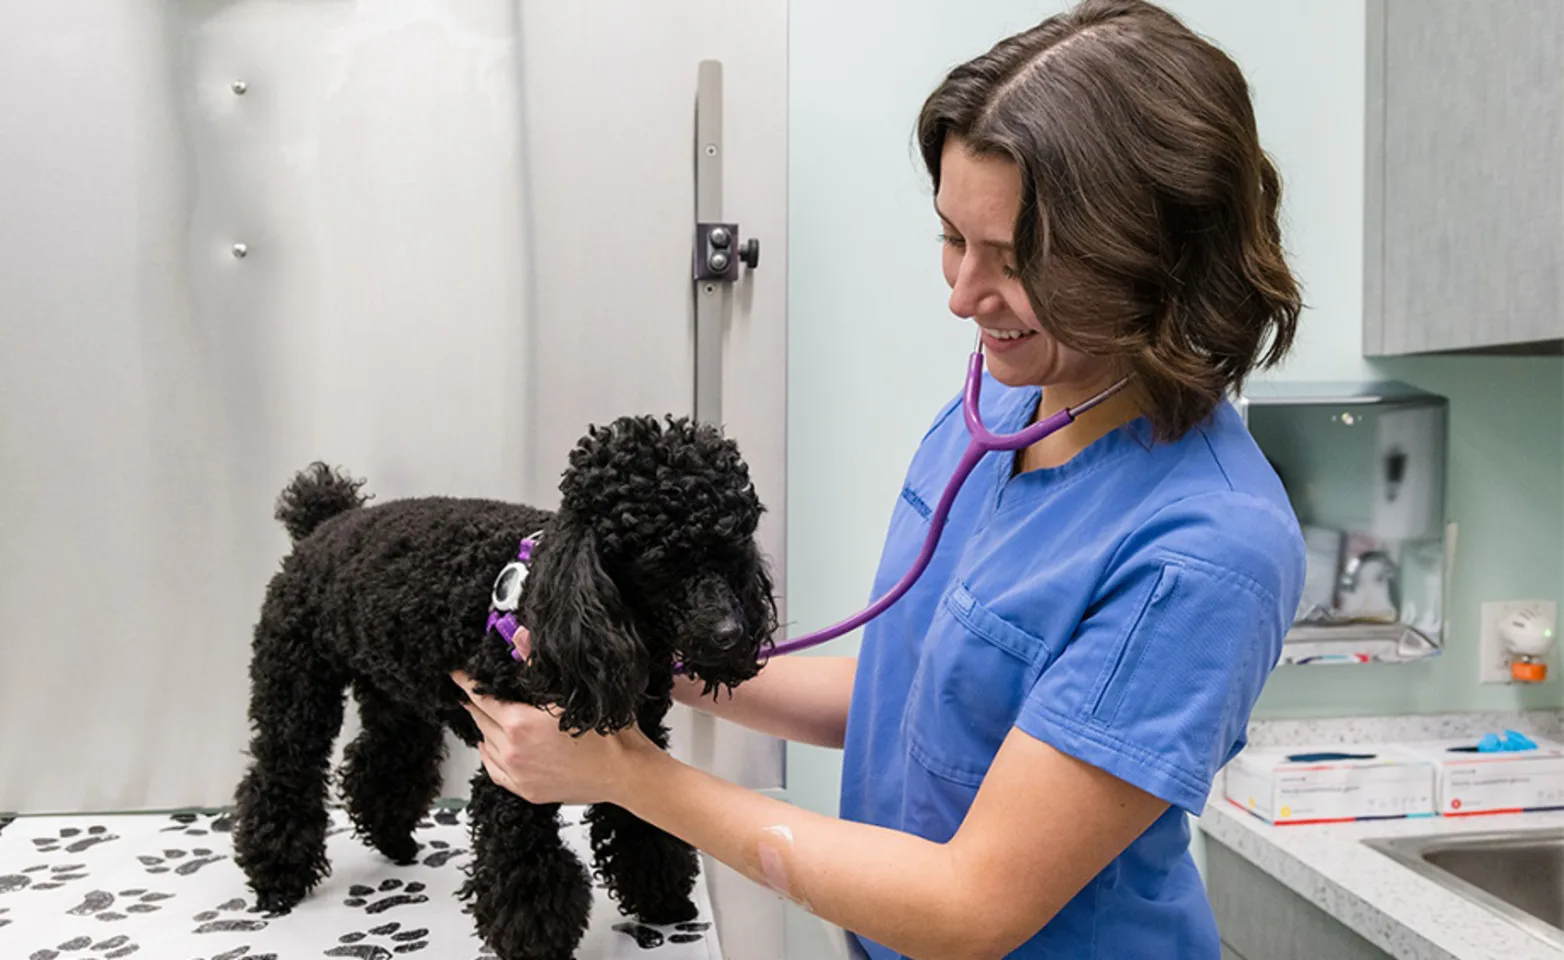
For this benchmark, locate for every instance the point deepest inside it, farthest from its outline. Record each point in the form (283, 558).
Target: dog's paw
(392, 893)
(232, 916)
(392, 939)
(174, 860)
(110, 949)
(649, 937)
(645, 937)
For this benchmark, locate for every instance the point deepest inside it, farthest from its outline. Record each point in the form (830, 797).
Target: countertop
(1396, 909)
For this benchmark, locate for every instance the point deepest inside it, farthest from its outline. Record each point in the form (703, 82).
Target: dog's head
(650, 561)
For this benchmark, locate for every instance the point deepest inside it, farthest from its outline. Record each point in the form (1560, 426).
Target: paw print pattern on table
(43, 877)
(441, 817)
(114, 888)
(361, 945)
(110, 949)
(174, 859)
(232, 916)
(98, 904)
(649, 938)
(241, 953)
(396, 895)
(199, 824)
(74, 839)
(443, 854)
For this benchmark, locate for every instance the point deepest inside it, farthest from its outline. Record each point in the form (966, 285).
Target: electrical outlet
(1494, 659)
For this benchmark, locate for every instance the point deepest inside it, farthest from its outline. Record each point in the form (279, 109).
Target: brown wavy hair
(1147, 230)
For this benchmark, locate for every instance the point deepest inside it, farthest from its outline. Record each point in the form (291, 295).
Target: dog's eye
(507, 587)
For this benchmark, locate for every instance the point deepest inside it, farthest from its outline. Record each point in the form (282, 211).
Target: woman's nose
(971, 292)
(969, 297)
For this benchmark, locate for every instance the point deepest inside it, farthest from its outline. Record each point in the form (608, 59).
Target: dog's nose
(727, 633)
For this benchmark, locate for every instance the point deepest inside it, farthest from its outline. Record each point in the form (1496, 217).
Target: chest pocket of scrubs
(973, 675)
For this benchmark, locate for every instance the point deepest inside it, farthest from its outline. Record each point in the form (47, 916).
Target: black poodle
(649, 562)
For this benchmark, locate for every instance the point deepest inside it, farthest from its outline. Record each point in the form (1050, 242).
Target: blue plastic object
(1513, 741)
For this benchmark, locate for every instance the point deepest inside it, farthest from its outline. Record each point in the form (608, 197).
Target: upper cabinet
(1464, 227)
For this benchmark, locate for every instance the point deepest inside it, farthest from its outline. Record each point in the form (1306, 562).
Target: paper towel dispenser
(1364, 466)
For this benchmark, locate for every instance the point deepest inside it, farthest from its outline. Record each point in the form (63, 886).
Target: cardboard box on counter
(1331, 784)
(1470, 783)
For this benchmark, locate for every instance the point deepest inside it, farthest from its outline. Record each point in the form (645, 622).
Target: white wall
(424, 210)
(873, 351)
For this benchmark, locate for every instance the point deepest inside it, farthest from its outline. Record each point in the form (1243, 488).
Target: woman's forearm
(895, 888)
(803, 699)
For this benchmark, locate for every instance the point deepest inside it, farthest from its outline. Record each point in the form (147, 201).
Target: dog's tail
(317, 494)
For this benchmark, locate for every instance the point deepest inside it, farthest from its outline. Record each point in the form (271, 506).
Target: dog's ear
(586, 657)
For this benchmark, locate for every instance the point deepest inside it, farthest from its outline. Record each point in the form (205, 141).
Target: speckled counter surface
(1399, 911)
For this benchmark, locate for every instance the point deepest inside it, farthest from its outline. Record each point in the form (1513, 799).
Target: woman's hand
(525, 752)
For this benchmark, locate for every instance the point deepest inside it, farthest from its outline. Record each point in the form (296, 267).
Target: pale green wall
(873, 351)
(1506, 460)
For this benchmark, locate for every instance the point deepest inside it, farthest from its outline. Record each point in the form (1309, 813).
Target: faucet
(1351, 574)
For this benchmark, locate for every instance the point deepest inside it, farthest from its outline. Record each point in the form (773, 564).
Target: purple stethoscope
(982, 442)
(502, 616)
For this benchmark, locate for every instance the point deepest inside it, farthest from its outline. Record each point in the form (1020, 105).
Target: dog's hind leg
(391, 772)
(280, 819)
(528, 892)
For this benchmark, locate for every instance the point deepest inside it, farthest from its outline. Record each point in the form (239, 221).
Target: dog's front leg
(528, 892)
(650, 872)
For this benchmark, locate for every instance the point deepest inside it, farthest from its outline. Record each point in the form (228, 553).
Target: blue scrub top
(1125, 608)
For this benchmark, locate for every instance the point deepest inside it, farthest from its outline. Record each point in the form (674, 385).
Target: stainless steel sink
(1519, 874)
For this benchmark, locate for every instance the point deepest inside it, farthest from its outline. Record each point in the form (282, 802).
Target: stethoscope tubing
(982, 442)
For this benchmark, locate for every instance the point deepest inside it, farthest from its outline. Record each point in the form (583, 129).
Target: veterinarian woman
(1025, 731)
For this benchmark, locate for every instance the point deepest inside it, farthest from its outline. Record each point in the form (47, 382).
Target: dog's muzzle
(727, 633)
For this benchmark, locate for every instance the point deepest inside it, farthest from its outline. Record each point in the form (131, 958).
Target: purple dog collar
(505, 596)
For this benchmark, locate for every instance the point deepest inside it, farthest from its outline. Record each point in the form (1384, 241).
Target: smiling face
(977, 203)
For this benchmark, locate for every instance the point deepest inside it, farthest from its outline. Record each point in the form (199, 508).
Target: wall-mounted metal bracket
(717, 252)
(718, 249)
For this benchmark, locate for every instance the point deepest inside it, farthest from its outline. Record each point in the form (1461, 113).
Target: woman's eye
(1010, 272)
(951, 241)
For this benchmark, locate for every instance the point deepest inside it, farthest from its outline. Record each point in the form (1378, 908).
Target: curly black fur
(315, 496)
(650, 560)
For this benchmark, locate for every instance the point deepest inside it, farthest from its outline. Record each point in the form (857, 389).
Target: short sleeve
(1158, 681)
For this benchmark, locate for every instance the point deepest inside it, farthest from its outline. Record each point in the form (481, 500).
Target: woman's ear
(586, 657)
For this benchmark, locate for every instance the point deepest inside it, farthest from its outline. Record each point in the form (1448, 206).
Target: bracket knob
(749, 253)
